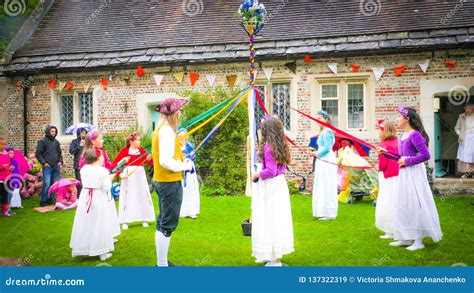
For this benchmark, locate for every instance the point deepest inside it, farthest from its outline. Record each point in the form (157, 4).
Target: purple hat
(171, 105)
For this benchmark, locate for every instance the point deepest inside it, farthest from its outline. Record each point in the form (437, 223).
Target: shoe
(326, 218)
(386, 236)
(415, 246)
(194, 217)
(145, 224)
(115, 240)
(170, 264)
(105, 256)
(124, 226)
(262, 261)
(273, 264)
(401, 243)
(43, 204)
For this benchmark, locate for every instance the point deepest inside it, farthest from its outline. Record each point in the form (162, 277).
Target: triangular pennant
(291, 66)
(61, 85)
(69, 85)
(179, 77)
(140, 72)
(105, 83)
(399, 70)
(193, 77)
(333, 67)
(211, 79)
(158, 78)
(355, 67)
(231, 79)
(424, 65)
(33, 91)
(268, 72)
(307, 59)
(450, 64)
(378, 72)
(87, 86)
(52, 84)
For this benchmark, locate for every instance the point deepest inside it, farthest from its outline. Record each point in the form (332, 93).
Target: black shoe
(170, 264)
(42, 204)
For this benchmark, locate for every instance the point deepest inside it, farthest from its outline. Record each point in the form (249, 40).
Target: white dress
(385, 208)
(190, 204)
(16, 199)
(91, 232)
(416, 215)
(325, 202)
(272, 224)
(135, 203)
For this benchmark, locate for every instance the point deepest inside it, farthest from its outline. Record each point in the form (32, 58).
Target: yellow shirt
(167, 155)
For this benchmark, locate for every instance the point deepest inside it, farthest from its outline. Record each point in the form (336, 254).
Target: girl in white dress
(91, 233)
(135, 203)
(191, 201)
(272, 224)
(325, 202)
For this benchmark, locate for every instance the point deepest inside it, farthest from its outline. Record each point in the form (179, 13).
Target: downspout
(25, 120)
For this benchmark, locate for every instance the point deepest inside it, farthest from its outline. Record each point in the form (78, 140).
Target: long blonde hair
(171, 119)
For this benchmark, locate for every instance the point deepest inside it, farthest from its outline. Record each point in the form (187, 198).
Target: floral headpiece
(93, 134)
(133, 135)
(380, 124)
(403, 111)
(98, 153)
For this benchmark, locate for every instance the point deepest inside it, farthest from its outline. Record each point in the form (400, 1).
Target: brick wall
(117, 110)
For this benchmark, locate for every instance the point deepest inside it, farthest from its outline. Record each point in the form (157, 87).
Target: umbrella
(20, 163)
(73, 128)
(363, 150)
(63, 183)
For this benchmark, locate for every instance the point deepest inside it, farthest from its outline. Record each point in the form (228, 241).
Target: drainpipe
(25, 120)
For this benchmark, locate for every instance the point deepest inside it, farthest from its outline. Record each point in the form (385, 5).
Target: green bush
(222, 161)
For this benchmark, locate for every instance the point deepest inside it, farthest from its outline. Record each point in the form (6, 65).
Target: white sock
(162, 244)
(418, 242)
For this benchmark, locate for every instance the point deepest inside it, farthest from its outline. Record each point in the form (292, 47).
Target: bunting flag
(33, 91)
(87, 87)
(333, 67)
(61, 85)
(179, 77)
(378, 72)
(268, 72)
(193, 77)
(140, 72)
(158, 78)
(52, 84)
(450, 64)
(105, 83)
(424, 65)
(231, 79)
(399, 70)
(355, 67)
(307, 59)
(69, 85)
(211, 79)
(291, 66)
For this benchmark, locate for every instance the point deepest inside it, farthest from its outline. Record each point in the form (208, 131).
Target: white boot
(162, 244)
(418, 244)
(273, 264)
(124, 226)
(401, 243)
(145, 224)
(105, 256)
(386, 236)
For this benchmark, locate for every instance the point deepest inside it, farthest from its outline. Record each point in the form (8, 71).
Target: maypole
(253, 16)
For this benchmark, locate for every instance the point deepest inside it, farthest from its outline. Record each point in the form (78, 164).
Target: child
(272, 224)
(388, 180)
(91, 233)
(95, 140)
(14, 198)
(416, 216)
(5, 173)
(190, 205)
(325, 174)
(67, 198)
(135, 203)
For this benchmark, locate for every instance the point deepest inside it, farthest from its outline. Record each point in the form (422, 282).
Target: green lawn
(215, 238)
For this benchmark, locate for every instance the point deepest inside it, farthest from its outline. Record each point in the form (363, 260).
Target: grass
(215, 238)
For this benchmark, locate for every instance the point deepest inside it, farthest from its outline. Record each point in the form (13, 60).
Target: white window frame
(269, 92)
(347, 104)
(338, 98)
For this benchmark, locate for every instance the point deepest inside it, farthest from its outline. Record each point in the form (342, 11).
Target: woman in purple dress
(416, 216)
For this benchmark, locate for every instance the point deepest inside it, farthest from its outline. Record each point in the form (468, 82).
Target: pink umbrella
(23, 165)
(63, 183)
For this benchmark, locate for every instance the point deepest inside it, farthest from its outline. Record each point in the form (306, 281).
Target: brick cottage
(83, 42)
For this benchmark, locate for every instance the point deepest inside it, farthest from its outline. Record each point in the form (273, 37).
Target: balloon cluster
(253, 15)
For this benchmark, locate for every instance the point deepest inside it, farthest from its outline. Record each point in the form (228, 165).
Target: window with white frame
(277, 99)
(259, 114)
(75, 108)
(330, 101)
(345, 102)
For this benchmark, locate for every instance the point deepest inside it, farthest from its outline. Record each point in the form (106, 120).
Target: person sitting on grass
(67, 198)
